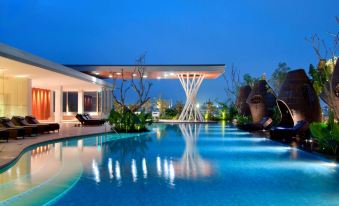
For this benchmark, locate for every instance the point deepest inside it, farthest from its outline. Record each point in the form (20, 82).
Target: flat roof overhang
(209, 71)
(44, 73)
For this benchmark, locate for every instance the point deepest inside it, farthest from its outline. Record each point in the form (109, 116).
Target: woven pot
(241, 104)
(298, 93)
(261, 101)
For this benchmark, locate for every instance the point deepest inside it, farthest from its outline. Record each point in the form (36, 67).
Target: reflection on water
(168, 158)
(191, 164)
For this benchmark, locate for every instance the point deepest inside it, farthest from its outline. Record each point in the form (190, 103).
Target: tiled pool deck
(10, 150)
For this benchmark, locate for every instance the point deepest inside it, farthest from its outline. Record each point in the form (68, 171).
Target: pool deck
(9, 151)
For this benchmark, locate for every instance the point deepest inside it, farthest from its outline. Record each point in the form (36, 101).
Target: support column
(58, 104)
(103, 101)
(191, 84)
(51, 112)
(29, 97)
(80, 101)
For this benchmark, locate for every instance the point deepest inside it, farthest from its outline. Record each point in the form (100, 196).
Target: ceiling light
(118, 73)
(96, 73)
(172, 74)
(134, 75)
(110, 76)
(144, 76)
(21, 76)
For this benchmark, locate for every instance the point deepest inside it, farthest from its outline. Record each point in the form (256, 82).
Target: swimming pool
(187, 164)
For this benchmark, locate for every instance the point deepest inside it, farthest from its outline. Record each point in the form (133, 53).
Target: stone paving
(10, 150)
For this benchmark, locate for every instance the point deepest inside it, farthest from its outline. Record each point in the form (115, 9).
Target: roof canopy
(210, 71)
(43, 73)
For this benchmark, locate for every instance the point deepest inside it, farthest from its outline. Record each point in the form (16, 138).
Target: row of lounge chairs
(87, 120)
(24, 126)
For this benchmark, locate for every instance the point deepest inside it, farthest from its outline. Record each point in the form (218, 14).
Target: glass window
(72, 101)
(90, 101)
(64, 102)
(99, 101)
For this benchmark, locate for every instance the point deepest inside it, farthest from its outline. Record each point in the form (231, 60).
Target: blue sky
(254, 35)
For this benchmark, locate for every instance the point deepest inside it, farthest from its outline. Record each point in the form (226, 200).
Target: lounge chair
(49, 126)
(29, 130)
(281, 132)
(14, 132)
(4, 134)
(263, 124)
(38, 128)
(85, 121)
(88, 116)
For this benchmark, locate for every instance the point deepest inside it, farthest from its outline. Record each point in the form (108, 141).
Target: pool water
(187, 164)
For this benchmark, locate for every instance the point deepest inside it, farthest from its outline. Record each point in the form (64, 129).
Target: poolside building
(50, 91)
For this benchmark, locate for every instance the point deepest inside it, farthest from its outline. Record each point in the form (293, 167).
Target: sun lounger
(14, 132)
(300, 128)
(49, 126)
(20, 121)
(84, 120)
(4, 134)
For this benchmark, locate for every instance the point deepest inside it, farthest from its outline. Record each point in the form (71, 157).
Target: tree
(278, 76)
(135, 80)
(322, 75)
(162, 105)
(249, 80)
(232, 84)
(179, 106)
(210, 109)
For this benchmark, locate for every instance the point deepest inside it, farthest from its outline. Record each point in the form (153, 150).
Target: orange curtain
(41, 100)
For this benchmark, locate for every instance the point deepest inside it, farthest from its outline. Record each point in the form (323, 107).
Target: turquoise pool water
(208, 164)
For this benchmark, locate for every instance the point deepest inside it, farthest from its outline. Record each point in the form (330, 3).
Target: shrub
(326, 134)
(169, 114)
(241, 119)
(126, 121)
(232, 112)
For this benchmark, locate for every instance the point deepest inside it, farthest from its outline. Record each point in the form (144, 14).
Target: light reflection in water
(95, 170)
(166, 172)
(117, 171)
(159, 170)
(144, 167)
(191, 164)
(134, 171)
(110, 168)
(171, 173)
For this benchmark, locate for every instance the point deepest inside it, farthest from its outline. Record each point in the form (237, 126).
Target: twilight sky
(254, 35)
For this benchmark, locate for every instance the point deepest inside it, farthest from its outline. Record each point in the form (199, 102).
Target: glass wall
(70, 102)
(14, 96)
(91, 101)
